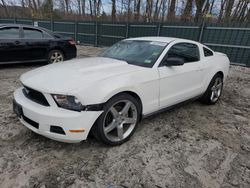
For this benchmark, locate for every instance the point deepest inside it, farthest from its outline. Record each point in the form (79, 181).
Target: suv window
(189, 52)
(207, 52)
(9, 32)
(30, 33)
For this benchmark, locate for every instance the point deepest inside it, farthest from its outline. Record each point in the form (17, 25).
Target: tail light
(72, 42)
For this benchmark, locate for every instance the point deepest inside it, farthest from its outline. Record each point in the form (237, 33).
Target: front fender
(145, 85)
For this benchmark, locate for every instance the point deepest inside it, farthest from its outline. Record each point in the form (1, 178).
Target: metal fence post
(202, 30)
(76, 24)
(127, 30)
(96, 33)
(159, 29)
(51, 25)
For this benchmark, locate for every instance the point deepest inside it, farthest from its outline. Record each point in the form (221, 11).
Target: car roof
(21, 25)
(17, 25)
(161, 39)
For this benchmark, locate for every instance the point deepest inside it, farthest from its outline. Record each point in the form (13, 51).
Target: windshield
(141, 53)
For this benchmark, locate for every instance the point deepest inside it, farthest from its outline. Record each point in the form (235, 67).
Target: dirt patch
(191, 146)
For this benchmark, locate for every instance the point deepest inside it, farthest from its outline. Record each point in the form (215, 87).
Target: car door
(36, 44)
(11, 46)
(179, 83)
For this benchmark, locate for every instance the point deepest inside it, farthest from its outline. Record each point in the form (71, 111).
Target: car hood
(63, 77)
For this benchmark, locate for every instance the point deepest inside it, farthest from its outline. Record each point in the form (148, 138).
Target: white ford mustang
(109, 94)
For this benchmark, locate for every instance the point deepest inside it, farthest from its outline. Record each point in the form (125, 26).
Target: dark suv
(23, 43)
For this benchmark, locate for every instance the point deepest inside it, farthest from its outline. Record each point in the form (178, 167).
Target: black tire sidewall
(206, 98)
(98, 130)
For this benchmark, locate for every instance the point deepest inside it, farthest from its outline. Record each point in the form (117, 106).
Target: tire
(55, 56)
(214, 90)
(119, 120)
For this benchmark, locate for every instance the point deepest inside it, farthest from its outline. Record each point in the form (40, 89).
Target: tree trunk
(228, 10)
(128, 10)
(163, 10)
(5, 8)
(137, 10)
(248, 15)
(199, 6)
(34, 4)
(99, 3)
(83, 7)
(67, 6)
(113, 10)
(237, 10)
(149, 7)
(156, 9)
(91, 8)
(79, 7)
(222, 6)
(171, 10)
(211, 7)
(187, 11)
(242, 14)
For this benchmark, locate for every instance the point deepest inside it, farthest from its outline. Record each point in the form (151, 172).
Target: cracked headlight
(68, 102)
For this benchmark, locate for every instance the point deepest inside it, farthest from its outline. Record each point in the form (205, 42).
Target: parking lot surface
(191, 146)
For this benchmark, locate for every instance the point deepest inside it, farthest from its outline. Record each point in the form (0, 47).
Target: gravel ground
(191, 146)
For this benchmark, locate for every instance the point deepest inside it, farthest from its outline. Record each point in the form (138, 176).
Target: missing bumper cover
(93, 107)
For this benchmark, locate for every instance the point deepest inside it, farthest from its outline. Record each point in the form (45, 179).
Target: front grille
(35, 96)
(31, 122)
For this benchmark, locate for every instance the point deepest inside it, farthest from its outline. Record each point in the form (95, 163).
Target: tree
(163, 10)
(171, 10)
(91, 8)
(211, 7)
(5, 8)
(149, 10)
(67, 5)
(158, 5)
(83, 7)
(128, 9)
(229, 7)
(113, 10)
(137, 9)
(187, 11)
(199, 6)
(222, 6)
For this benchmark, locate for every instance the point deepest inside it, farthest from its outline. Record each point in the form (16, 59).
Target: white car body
(95, 80)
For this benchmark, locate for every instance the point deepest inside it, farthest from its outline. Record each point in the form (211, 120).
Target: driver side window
(187, 51)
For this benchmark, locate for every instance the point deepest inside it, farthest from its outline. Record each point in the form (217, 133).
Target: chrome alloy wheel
(120, 120)
(216, 89)
(56, 57)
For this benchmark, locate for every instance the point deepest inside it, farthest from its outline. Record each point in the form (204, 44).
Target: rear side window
(30, 33)
(47, 36)
(207, 52)
(189, 52)
(9, 33)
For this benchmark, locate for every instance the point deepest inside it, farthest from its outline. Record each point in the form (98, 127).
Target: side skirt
(171, 107)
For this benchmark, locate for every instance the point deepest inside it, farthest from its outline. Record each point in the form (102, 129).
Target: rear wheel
(214, 90)
(118, 121)
(55, 56)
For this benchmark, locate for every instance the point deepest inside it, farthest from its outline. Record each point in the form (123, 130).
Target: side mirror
(174, 61)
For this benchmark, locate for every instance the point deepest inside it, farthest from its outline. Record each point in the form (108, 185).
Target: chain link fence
(234, 40)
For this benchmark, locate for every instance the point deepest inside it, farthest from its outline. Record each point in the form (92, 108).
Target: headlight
(68, 102)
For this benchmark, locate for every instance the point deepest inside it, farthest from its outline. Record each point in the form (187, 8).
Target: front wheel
(118, 121)
(55, 56)
(214, 90)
